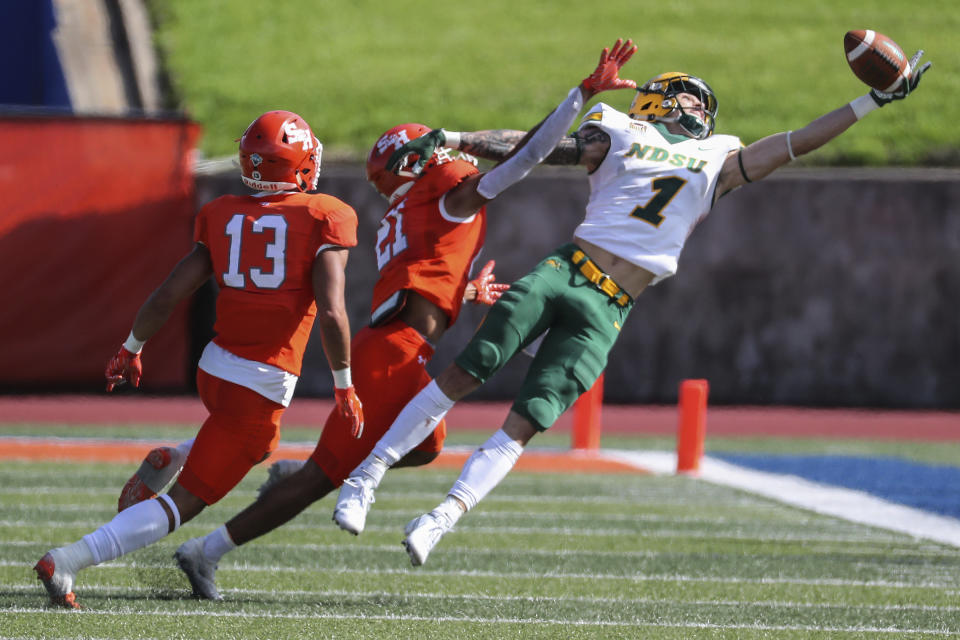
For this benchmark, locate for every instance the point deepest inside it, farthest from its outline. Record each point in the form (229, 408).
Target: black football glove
(907, 87)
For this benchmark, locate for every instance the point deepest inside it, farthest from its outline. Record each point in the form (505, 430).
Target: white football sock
(74, 557)
(450, 507)
(372, 469)
(415, 422)
(217, 543)
(486, 468)
(131, 529)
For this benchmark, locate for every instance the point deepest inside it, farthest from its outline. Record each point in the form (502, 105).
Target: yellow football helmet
(657, 100)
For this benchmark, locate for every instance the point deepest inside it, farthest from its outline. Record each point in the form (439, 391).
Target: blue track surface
(929, 487)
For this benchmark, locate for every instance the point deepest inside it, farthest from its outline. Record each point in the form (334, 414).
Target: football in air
(876, 59)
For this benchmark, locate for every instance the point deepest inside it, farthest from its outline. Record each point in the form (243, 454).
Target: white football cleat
(156, 471)
(278, 472)
(353, 503)
(56, 580)
(200, 571)
(423, 534)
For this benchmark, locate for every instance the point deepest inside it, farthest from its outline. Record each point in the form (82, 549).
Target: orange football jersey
(262, 249)
(420, 249)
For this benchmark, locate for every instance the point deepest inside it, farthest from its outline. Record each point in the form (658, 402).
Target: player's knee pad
(481, 359)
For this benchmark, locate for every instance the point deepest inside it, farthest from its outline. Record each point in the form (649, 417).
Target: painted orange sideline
(133, 452)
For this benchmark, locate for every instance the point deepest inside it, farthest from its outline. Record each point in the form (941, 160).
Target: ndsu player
(655, 172)
(425, 247)
(279, 258)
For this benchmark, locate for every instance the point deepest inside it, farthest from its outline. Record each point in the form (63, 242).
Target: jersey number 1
(275, 251)
(664, 191)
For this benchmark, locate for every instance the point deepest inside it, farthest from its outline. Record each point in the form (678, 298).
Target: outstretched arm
(761, 158)
(496, 145)
(532, 148)
(587, 147)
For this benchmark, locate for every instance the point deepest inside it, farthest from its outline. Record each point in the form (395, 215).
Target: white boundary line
(854, 506)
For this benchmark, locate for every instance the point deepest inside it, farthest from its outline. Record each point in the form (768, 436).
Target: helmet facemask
(658, 100)
(308, 173)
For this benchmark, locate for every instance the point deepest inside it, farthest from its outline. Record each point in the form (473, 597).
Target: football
(876, 59)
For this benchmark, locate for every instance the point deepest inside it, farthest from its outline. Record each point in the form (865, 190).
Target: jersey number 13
(275, 252)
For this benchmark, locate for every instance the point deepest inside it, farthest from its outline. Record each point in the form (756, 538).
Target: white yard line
(553, 575)
(848, 504)
(478, 620)
(394, 492)
(547, 553)
(434, 595)
(608, 532)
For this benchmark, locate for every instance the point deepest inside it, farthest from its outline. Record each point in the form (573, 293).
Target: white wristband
(342, 378)
(133, 345)
(452, 139)
(863, 105)
(790, 146)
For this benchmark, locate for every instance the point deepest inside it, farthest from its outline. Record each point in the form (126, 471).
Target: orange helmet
(278, 152)
(388, 184)
(393, 185)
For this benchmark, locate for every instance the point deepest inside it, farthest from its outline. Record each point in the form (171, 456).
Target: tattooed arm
(587, 147)
(493, 144)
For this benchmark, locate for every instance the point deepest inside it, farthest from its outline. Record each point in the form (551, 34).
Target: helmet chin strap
(688, 122)
(692, 124)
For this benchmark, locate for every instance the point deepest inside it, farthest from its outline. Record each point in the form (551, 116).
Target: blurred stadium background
(829, 284)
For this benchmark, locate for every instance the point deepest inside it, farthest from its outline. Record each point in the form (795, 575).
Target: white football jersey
(651, 190)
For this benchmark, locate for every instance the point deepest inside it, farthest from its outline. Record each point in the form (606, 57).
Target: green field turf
(544, 556)
(354, 69)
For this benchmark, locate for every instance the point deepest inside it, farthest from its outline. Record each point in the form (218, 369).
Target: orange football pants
(242, 430)
(389, 368)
